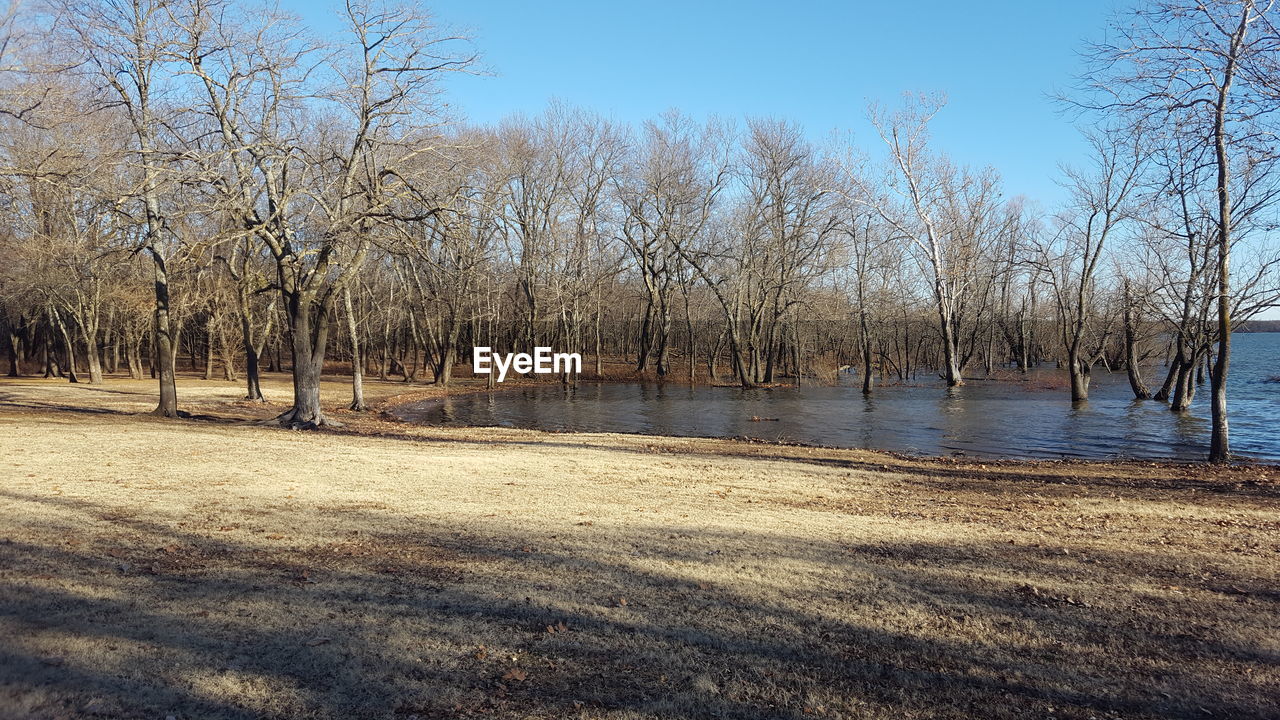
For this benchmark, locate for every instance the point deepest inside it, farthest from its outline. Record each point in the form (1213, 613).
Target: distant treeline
(1259, 326)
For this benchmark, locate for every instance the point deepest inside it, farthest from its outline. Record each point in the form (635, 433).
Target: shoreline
(384, 396)
(430, 400)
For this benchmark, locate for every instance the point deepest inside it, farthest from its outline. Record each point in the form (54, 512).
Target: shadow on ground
(149, 620)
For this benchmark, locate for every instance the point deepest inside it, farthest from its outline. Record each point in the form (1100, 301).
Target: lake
(1029, 417)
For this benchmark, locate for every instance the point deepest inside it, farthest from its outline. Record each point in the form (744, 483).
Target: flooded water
(1018, 418)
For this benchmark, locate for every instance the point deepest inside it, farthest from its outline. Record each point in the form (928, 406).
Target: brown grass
(214, 568)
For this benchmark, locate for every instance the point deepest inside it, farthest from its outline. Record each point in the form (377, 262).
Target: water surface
(1020, 418)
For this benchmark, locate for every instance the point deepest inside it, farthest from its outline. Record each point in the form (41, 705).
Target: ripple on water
(984, 418)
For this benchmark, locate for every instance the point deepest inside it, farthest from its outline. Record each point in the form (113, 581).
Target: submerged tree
(1207, 71)
(1070, 261)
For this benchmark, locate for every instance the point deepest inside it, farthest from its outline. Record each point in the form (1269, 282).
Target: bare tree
(1208, 69)
(666, 202)
(940, 211)
(1070, 260)
(126, 49)
(315, 193)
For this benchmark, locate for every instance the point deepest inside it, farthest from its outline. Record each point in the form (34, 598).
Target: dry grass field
(215, 568)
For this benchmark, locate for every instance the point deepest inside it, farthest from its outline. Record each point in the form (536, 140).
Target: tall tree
(313, 170)
(1207, 68)
(942, 212)
(126, 48)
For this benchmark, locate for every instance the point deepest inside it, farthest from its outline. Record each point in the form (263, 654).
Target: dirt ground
(216, 568)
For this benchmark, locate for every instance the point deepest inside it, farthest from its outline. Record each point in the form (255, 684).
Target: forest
(203, 185)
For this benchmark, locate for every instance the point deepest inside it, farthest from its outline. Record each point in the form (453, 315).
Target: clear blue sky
(817, 63)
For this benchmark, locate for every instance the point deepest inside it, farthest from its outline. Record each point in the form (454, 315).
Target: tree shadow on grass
(16, 402)
(20, 403)
(151, 618)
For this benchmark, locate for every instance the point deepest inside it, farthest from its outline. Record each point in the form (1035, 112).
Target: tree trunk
(664, 344)
(950, 354)
(599, 350)
(645, 344)
(164, 342)
(228, 356)
(68, 344)
(693, 343)
(46, 356)
(357, 364)
(1184, 388)
(867, 380)
(15, 368)
(1171, 377)
(1219, 442)
(113, 360)
(133, 356)
(253, 384)
(1079, 372)
(308, 336)
(1138, 387)
(92, 359)
(208, 348)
